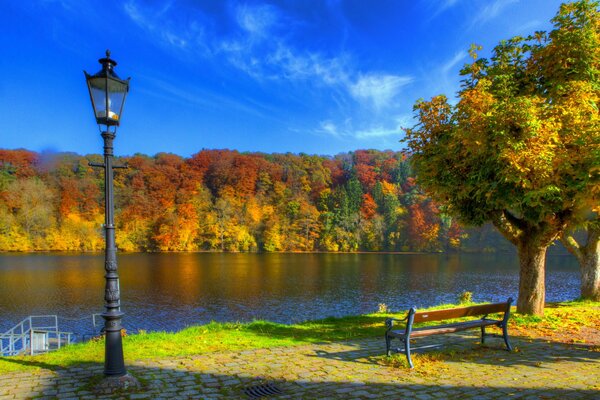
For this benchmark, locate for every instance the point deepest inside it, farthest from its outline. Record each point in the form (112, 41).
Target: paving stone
(350, 369)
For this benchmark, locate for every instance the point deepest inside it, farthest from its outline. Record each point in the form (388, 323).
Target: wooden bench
(414, 317)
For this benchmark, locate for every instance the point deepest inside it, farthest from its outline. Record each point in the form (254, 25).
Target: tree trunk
(589, 265)
(588, 256)
(590, 276)
(532, 285)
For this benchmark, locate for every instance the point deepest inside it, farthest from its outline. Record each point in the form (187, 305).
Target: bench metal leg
(505, 336)
(482, 334)
(388, 345)
(407, 351)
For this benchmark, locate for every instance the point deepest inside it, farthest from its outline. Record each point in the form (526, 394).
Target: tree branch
(571, 245)
(506, 227)
(516, 222)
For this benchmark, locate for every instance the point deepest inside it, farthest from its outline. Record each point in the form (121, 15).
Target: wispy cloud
(329, 128)
(441, 6)
(310, 65)
(256, 20)
(395, 130)
(171, 33)
(259, 50)
(490, 11)
(450, 64)
(257, 43)
(527, 28)
(446, 80)
(378, 132)
(201, 98)
(347, 130)
(379, 89)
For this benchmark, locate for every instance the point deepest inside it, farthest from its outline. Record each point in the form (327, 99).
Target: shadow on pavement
(465, 346)
(182, 384)
(478, 372)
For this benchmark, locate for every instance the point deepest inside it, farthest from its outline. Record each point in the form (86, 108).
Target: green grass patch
(567, 318)
(214, 337)
(207, 338)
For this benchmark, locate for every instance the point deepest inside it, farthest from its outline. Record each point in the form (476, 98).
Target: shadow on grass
(326, 330)
(31, 363)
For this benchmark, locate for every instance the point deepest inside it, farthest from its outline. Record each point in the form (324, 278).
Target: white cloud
(256, 20)
(527, 28)
(132, 10)
(437, 7)
(378, 89)
(156, 21)
(377, 132)
(491, 11)
(201, 98)
(442, 6)
(257, 45)
(346, 129)
(331, 71)
(329, 128)
(450, 64)
(259, 50)
(400, 122)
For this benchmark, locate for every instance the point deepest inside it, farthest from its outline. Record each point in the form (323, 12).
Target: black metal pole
(114, 365)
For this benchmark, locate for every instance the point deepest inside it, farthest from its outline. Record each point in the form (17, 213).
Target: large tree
(521, 147)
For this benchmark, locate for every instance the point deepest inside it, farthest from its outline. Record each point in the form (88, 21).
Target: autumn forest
(223, 200)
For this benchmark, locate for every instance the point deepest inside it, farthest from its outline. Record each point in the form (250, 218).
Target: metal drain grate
(258, 391)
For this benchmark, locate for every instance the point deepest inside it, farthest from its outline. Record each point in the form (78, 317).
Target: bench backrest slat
(440, 315)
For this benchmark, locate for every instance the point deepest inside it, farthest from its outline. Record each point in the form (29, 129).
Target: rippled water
(172, 290)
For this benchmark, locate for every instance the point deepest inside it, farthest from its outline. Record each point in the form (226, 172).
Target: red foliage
(23, 161)
(338, 175)
(369, 206)
(366, 175)
(387, 169)
(69, 196)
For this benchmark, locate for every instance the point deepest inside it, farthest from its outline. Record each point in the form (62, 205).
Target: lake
(169, 291)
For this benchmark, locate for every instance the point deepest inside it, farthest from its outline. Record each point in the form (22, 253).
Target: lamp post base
(111, 384)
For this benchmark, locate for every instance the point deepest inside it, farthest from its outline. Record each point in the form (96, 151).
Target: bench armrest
(389, 322)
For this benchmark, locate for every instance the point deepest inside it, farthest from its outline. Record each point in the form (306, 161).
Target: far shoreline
(94, 252)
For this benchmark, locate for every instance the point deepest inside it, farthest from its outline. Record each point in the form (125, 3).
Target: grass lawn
(565, 320)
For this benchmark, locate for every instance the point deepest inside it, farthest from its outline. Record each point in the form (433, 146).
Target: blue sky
(319, 77)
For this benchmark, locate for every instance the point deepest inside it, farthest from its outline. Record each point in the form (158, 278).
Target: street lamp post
(108, 92)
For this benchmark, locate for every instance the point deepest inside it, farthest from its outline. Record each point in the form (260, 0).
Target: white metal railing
(35, 334)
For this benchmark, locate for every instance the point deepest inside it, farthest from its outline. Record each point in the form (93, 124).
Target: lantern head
(107, 92)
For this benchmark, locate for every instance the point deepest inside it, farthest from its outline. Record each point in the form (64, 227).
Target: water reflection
(171, 291)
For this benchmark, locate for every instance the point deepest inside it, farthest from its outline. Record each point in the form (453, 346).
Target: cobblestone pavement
(342, 370)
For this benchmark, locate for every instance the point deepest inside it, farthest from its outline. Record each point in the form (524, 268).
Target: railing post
(31, 341)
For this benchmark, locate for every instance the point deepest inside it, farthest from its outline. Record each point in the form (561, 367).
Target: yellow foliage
(389, 188)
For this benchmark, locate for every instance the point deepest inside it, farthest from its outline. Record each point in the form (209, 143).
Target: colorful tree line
(223, 200)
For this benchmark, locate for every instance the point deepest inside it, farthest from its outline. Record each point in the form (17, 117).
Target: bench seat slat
(472, 311)
(446, 328)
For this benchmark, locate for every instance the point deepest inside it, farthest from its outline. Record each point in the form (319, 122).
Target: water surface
(169, 291)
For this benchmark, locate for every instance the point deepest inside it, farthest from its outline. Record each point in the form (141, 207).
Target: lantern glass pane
(98, 93)
(116, 97)
(117, 91)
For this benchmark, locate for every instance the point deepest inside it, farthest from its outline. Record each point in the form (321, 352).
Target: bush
(465, 297)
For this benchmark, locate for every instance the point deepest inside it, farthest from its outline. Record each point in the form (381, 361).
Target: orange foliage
(369, 207)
